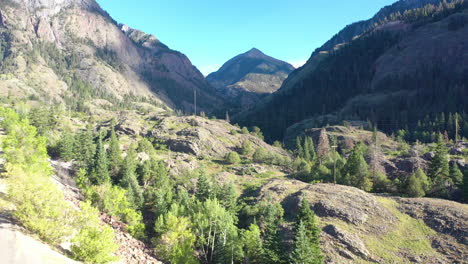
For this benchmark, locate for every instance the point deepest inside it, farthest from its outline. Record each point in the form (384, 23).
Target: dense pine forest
(343, 86)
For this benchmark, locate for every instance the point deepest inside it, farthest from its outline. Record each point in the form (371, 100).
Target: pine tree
(306, 150)
(456, 175)
(100, 169)
(307, 219)
(423, 179)
(129, 179)
(310, 146)
(302, 253)
(323, 147)
(439, 167)
(204, 191)
(114, 155)
(356, 170)
(253, 245)
(66, 146)
(465, 186)
(414, 187)
(85, 148)
(299, 148)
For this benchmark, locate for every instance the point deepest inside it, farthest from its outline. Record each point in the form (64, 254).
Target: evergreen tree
(356, 170)
(299, 148)
(85, 148)
(309, 236)
(114, 155)
(424, 180)
(323, 147)
(310, 146)
(465, 186)
(306, 150)
(129, 179)
(456, 175)
(414, 186)
(439, 167)
(253, 245)
(100, 169)
(204, 190)
(302, 253)
(66, 146)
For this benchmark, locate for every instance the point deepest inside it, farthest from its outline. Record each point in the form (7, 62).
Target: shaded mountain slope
(393, 75)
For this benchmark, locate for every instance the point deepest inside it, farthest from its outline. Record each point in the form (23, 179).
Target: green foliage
(302, 253)
(456, 175)
(253, 245)
(232, 158)
(439, 167)
(176, 239)
(217, 236)
(307, 239)
(94, 242)
(129, 179)
(40, 206)
(114, 156)
(356, 172)
(246, 148)
(204, 188)
(99, 172)
(110, 57)
(113, 201)
(260, 155)
(414, 187)
(66, 146)
(85, 148)
(257, 132)
(465, 186)
(244, 130)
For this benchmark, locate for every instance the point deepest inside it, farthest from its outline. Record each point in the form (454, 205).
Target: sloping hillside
(72, 51)
(359, 227)
(394, 76)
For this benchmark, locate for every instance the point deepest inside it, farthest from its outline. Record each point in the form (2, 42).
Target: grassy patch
(409, 235)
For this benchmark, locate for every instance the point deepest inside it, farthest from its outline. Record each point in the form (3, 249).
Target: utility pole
(456, 129)
(195, 101)
(334, 163)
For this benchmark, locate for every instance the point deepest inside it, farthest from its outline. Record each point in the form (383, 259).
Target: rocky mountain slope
(394, 74)
(358, 227)
(72, 50)
(248, 76)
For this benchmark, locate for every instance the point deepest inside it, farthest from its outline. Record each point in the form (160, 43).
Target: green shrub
(113, 200)
(260, 155)
(40, 206)
(246, 148)
(94, 242)
(244, 130)
(232, 158)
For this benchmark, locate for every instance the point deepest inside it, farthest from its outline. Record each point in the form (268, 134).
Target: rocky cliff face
(52, 44)
(246, 77)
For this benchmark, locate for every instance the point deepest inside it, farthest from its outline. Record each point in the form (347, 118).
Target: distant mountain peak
(254, 52)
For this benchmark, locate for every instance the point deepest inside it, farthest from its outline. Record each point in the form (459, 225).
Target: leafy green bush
(94, 242)
(113, 200)
(232, 158)
(40, 206)
(260, 155)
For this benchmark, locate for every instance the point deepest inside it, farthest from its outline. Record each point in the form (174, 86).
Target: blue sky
(210, 32)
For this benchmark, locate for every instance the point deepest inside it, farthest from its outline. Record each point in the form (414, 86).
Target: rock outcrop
(360, 227)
